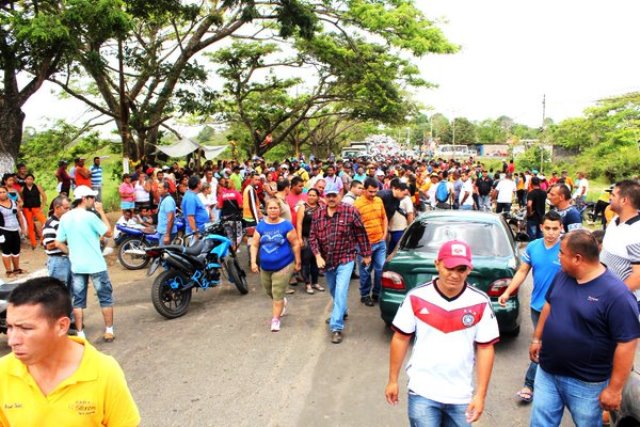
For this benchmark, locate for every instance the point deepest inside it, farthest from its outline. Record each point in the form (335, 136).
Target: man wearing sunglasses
(81, 229)
(453, 324)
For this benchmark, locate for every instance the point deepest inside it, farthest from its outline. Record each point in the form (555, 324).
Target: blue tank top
(275, 249)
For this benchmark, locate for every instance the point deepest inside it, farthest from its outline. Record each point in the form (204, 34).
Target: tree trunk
(11, 121)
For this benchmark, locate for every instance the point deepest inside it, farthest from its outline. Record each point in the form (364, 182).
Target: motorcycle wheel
(237, 275)
(169, 302)
(132, 255)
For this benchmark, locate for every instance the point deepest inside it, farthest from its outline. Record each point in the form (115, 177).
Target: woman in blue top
(279, 247)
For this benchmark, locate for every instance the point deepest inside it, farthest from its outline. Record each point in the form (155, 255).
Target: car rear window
(485, 239)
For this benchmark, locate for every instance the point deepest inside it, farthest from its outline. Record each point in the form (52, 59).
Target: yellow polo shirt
(95, 395)
(373, 217)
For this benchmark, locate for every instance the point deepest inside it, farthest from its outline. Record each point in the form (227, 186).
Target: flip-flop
(525, 395)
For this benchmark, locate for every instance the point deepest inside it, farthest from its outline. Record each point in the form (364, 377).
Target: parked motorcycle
(201, 265)
(133, 242)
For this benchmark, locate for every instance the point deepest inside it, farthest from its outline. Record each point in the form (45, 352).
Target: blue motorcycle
(132, 243)
(201, 265)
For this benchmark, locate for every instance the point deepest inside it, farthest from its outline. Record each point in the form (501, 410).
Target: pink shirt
(126, 192)
(293, 200)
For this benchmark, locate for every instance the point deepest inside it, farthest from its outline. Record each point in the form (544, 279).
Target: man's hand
(366, 260)
(610, 399)
(166, 239)
(254, 267)
(98, 207)
(320, 262)
(298, 265)
(475, 409)
(503, 299)
(391, 393)
(534, 351)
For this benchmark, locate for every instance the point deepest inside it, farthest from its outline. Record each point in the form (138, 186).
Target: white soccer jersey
(446, 332)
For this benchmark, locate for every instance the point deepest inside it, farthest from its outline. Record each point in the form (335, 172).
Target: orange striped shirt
(373, 217)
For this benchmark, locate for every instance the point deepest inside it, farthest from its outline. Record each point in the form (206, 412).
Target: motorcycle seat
(199, 247)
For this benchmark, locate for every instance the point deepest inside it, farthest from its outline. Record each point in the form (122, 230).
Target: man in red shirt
(296, 195)
(83, 175)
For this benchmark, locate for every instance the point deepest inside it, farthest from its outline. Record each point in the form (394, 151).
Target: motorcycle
(133, 242)
(517, 221)
(199, 266)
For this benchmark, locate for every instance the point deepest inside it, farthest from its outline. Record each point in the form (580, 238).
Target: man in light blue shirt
(541, 256)
(193, 210)
(82, 229)
(167, 228)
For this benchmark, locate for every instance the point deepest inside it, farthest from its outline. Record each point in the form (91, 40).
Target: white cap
(83, 191)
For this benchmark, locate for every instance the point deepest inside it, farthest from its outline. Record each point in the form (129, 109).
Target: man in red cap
(453, 324)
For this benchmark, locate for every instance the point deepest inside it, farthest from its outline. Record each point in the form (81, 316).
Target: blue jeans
(395, 238)
(425, 412)
(59, 267)
(530, 377)
(338, 283)
(161, 238)
(554, 392)
(466, 207)
(101, 283)
(378, 255)
(533, 230)
(484, 203)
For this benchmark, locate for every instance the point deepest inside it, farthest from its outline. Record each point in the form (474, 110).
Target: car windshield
(485, 239)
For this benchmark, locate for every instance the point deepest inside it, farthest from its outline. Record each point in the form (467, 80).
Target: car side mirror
(522, 237)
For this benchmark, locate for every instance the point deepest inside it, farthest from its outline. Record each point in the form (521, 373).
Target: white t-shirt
(398, 221)
(467, 186)
(505, 189)
(446, 332)
(582, 184)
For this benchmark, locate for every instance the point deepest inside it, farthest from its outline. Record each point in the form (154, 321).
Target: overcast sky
(512, 53)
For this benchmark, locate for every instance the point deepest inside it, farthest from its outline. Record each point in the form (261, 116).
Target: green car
(494, 252)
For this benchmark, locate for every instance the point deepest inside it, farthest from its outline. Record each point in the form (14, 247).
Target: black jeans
(309, 266)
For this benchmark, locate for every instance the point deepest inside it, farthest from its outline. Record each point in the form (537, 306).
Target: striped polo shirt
(621, 247)
(96, 176)
(49, 233)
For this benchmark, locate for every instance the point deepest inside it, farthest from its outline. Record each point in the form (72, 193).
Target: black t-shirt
(538, 199)
(585, 324)
(484, 186)
(391, 204)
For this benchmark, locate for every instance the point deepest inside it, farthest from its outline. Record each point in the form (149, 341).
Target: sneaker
(367, 301)
(108, 337)
(275, 325)
(375, 298)
(290, 291)
(336, 337)
(284, 308)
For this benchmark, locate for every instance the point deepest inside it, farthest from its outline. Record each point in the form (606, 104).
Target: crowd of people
(338, 217)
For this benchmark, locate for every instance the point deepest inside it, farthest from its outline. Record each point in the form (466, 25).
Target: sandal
(19, 271)
(290, 291)
(317, 287)
(525, 395)
(10, 273)
(309, 290)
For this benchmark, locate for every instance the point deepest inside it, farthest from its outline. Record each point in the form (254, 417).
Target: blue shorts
(127, 205)
(101, 283)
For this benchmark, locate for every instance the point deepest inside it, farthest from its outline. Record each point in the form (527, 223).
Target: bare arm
(399, 346)
(633, 281)
(255, 246)
(485, 355)
(299, 220)
(292, 236)
(536, 341)
(623, 356)
(104, 219)
(517, 280)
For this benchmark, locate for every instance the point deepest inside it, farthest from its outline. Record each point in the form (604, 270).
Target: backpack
(442, 192)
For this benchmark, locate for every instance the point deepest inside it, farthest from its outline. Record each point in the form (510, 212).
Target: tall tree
(154, 73)
(37, 39)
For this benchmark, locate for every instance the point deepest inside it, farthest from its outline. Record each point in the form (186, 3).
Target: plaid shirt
(337, 238)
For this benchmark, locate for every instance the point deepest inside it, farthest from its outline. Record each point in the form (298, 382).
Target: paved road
(220, 365)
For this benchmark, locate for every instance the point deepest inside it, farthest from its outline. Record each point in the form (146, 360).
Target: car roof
(461, 215)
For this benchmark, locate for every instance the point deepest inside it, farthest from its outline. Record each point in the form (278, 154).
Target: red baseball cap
(455, 253)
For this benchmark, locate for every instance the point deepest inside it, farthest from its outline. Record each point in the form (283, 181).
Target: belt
(58, 255)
